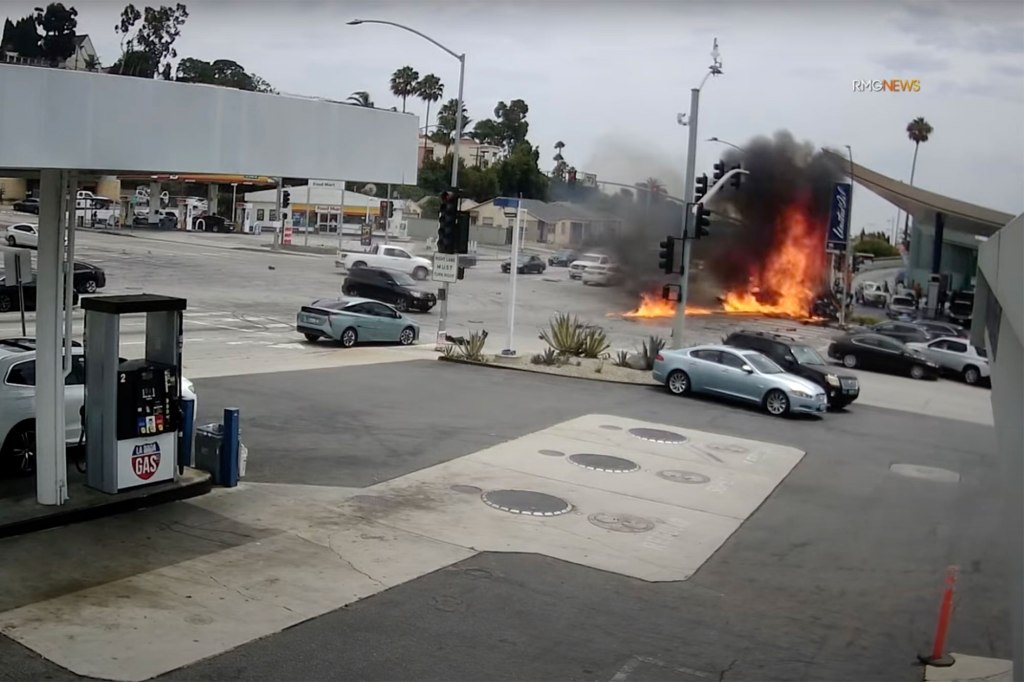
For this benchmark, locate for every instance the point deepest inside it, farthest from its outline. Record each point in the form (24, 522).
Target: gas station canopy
(924, 205)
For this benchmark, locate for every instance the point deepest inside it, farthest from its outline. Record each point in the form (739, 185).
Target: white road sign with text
(446, 267)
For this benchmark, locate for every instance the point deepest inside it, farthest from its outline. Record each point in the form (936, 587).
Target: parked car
(961, 308)
(23, 234)
(387, 257)
(957, 356)
(577, 267)
(873, 294)
(212, 223)
(17, 402)
(388, 286)
(10, 300)
(525, 265)
(901, 307)
(937, 328)
(738, 374)
(602, 275)
(88, 277)
(27, 206)
(882, 354)
(355, 320)
(562, 258)
(901, 331)
(801, 360)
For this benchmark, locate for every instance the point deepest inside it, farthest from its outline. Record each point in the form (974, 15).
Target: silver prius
(738, 374)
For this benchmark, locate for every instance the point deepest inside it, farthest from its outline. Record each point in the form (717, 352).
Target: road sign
(446, 267)
(325, 184)
(506, 201)
(839, 218)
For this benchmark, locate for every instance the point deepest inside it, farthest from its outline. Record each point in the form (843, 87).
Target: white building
(320, 205)
(473, 154)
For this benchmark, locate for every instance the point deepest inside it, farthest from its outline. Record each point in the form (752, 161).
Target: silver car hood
(793, 382)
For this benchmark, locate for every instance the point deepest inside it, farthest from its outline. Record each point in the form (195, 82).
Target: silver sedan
(738, 374)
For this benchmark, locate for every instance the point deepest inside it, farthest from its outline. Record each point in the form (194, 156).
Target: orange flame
(652, 306)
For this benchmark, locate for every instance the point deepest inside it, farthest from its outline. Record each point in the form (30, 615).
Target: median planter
(576, 368)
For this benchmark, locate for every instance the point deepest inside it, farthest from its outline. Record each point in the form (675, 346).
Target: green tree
(58, 24)
(520, 173)
(429, 89)
(446, 123)
(361, 98)
(223, 72)
(878, 247)
(154, 39)
(22, 37)
(918, 130)
(431, 206)
(508, 127)
(403, 83)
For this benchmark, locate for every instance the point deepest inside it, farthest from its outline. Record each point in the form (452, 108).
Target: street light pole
(443, 293)
(679, 322)
(848, 260)
(728, 144)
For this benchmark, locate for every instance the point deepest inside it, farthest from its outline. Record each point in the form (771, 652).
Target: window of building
(488, 222)
(273, 215)
(260, 214)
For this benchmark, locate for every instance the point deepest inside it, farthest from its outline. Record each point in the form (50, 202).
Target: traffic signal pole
(679, 322)
(442, 321)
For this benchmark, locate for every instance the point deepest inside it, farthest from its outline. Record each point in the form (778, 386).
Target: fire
(653, 306)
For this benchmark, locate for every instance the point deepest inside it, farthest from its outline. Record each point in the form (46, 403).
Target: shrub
(864, 320)
(471, 349)
(565, 334)
(594, 343)
(650, 349)
(621, 359)
(548, 357)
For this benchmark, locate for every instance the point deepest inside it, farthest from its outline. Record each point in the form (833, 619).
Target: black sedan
(27, 206)
(388, 286)
(907, 332)
(89, 277)
(526, 265)
(881, 354)
(10, 299)
(937, 328)
(562, 258)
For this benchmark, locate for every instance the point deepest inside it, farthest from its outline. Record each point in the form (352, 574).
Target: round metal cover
(926, 473)
(552, 453)
(678, 476)
(727, 447)
(470, 489)
(605, 463)
(621, 523)
(658, 435)
(526, 502)
(611, 427)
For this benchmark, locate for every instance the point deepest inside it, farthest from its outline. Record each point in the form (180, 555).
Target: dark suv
(388, 286)
(801, 360)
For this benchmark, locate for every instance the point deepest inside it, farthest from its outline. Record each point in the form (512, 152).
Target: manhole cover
(552, 453)
(677, 476)
(526, 502)
(621, 523)
(727, 447)
(470, 489)
(658, 435)
(605, 463)
(926, 473)
(611, 427)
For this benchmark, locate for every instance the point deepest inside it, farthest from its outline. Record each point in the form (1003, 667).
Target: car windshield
(805, 355)
(762, 364)
(403, 279)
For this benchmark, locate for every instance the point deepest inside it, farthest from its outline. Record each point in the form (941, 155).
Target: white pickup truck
(387, 257)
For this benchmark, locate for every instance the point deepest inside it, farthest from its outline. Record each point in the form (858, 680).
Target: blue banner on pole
(839, 218)
(506, 202)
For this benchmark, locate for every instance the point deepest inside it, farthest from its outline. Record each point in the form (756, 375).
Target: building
(85, 57)
(998, 325)
(473, 154)
(321, 205)
(558, 224)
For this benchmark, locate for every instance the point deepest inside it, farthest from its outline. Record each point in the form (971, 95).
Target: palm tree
(560, 164)
(429, 89)
(361, 98)
(918, 131)
(403, 83)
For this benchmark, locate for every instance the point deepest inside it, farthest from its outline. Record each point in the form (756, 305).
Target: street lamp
(728, 144)
(679, 322)
(443, 316)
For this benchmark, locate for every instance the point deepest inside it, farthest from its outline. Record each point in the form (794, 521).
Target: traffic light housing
(736, 179)
(701, 222)
(719, 170)
(702, 187)
(666, 257)
(447, 221)
(286, 199)
(387, 208)
(462, 233)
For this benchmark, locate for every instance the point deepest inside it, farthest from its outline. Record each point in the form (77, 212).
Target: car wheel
(776, 403)
(420, 273)
(90, 286)
(678, 382)
(358, 264)
(407, 336)
(6, 305)
(849, 361)
(312, 338)
(401, 305)
(11, 240)
(971, 375)
(917, 372)
(349, 338)
(19, 451)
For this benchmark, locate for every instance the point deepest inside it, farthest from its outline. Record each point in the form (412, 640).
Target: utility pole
(305, 221)
(279, 233)
(679, 322)
(848, 256)
(387, 216)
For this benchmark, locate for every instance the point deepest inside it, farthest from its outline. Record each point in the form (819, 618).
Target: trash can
(207, 449)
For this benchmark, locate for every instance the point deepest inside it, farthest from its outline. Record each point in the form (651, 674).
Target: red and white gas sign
(286, 236)
(146, 460)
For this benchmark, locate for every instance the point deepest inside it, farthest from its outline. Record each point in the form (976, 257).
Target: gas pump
(132, 407)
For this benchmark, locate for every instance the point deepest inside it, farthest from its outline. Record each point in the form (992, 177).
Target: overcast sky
(608, 78)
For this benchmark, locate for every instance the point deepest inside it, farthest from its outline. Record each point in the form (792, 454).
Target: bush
(548, 357)
(621, 359)
(471, 349)
(864, 320)
(650, 349)
(565, 334)
(595, 343)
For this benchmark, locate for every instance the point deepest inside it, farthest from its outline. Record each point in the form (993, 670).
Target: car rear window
(903, 300)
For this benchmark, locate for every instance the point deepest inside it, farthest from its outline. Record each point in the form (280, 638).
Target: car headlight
(417, 294)
(801, 394)
(832, 379)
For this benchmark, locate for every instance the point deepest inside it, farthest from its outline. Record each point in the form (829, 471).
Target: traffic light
(702, 187)
(736, 179)
(447, 221)
(387, 208)
(719, 170)
(701, 222)
(666, 257)
(462, 233)
(286, 199)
